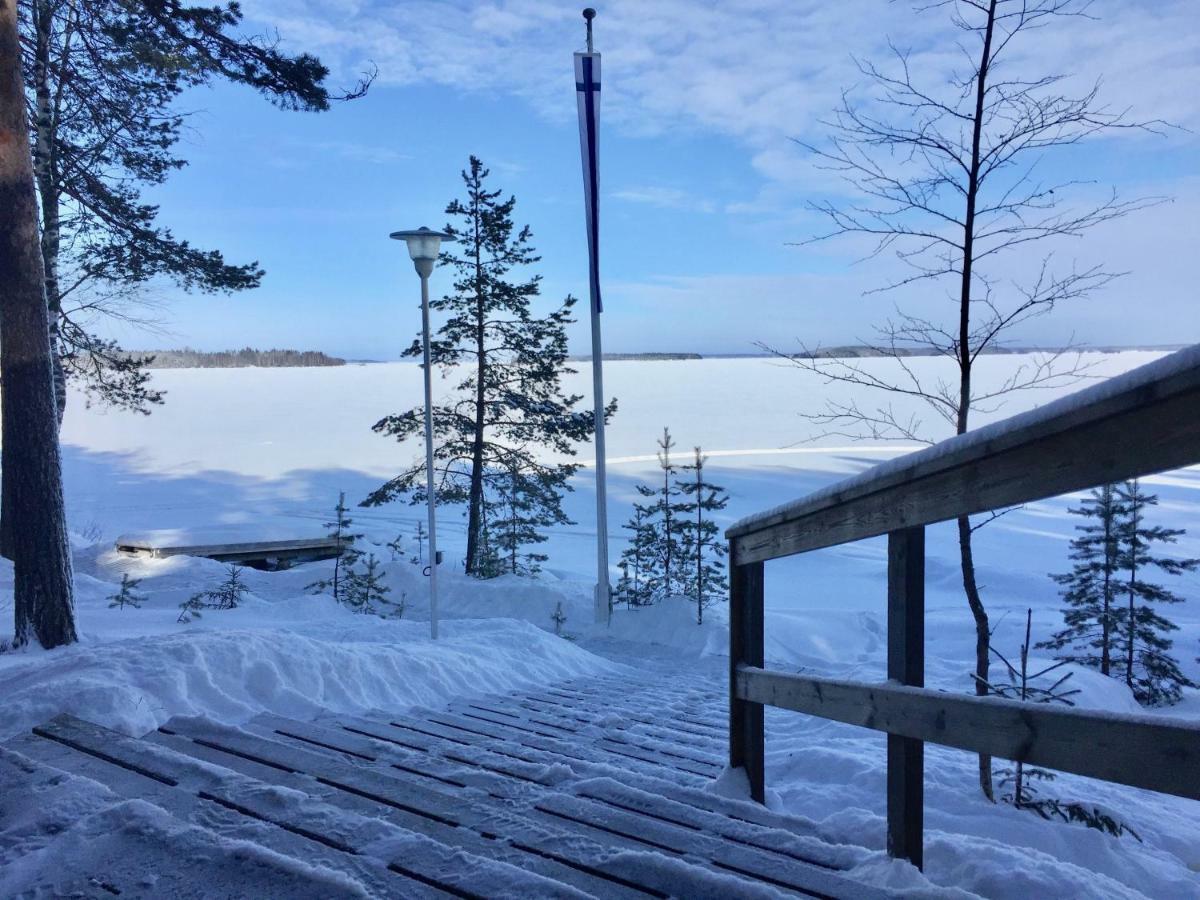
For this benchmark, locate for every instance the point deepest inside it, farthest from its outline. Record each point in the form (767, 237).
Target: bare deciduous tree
(948, 180)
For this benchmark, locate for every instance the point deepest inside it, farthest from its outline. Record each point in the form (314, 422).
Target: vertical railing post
(746, 737)
(906, 664)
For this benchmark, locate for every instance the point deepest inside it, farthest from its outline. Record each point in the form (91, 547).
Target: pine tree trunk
(475, 497)
(32, 466)
(43, 170)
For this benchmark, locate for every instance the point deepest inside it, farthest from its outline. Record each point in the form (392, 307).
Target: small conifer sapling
(128, 595)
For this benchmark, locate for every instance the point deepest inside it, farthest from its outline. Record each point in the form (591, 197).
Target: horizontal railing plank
(1140, 751)
(1136, 424)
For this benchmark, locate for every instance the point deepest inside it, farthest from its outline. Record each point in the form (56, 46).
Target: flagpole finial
(588, 15)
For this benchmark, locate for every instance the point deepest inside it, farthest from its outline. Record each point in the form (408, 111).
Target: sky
(706, 189)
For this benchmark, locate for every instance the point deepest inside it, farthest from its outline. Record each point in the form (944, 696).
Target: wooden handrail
(1145, 421)
(1142, 751)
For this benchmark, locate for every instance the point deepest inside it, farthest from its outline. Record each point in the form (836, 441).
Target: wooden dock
(577, 790)
(268, 550)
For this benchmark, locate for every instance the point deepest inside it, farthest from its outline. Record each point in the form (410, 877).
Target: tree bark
(47, 189)
(475, 497)
(34, 510)
(966, 552)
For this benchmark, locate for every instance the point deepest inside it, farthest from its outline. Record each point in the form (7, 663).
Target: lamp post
(423, 247)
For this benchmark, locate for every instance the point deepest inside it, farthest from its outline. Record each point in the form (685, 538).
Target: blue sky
(703, 187)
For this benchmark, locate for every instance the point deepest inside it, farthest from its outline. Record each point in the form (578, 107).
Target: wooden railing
(1145, 421)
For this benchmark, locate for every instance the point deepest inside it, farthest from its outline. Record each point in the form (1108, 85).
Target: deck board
(570, 791)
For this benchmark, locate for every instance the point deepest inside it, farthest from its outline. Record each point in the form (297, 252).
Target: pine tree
(509, 411)
(128, 594)
(559, 618)
(33, 523)
(1090, 588)
(226, 595)
(520, 514)
(102, 81)
(339, 531)
(1150, 671)
(637, 556)
(365, 590)
(1022, 685)
(703, 550)
(189, 609)
(664, 575)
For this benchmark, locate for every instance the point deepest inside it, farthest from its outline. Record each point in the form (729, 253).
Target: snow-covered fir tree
(128, 595)
(1090, 589)
(703, 552)
(1150, 670)
(339, 530)
(509, 406)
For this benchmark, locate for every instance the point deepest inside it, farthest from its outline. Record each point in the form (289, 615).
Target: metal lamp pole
(423, 247)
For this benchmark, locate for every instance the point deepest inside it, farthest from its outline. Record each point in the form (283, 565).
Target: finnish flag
(587, 93)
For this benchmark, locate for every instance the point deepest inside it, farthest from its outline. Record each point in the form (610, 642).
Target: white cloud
(759, 71)
(665, 198)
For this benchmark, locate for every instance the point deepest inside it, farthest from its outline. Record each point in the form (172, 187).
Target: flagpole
(587, 91)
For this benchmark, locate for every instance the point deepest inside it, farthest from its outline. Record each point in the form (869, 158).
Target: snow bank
(282, 651)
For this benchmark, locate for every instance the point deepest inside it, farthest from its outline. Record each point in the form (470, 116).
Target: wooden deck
(273, 553)
(590, 788)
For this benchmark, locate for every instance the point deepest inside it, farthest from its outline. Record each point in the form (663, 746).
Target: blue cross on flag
(587, 93)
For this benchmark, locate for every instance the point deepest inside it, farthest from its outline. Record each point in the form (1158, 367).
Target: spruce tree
(508, 411)
(636, 557)
(1150, 671)
(1090, 588)
(339, 531)
(128, 595)
(664, 575)
(704, 552)
(365, 590)
(519, 517)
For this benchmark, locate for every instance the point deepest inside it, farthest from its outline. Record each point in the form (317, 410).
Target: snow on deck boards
(593, 788)
(231, 543)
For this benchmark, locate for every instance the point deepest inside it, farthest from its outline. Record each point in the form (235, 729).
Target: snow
(266, 451)
(282, 651)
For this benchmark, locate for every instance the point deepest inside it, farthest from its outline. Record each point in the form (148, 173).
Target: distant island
(862, 351)
(234, 359)
(640, 356)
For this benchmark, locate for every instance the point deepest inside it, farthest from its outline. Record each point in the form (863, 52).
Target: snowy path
(599, 787)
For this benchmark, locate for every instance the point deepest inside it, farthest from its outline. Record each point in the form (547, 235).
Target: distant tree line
(234, 359)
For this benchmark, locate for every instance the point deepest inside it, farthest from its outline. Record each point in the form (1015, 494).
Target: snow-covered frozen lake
(271, 449)
(255, 446)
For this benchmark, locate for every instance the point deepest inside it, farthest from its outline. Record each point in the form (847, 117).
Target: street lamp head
(423, 246)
